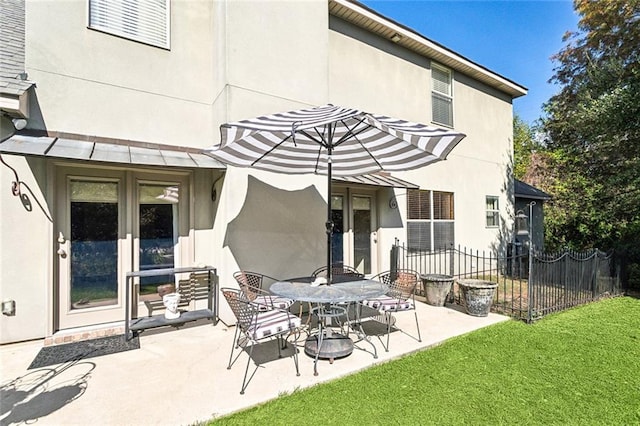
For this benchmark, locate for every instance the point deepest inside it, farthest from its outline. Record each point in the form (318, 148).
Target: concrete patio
(179, 377)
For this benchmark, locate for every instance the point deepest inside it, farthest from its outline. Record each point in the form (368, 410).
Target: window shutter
(442, 110)
(443, 235)
(441, 96)
(441, 81)
(443, 205)
(418, 205)
(146, 21)
(419, 236)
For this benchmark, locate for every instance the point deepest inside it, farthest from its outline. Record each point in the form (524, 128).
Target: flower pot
(436, 288)
(477, 296)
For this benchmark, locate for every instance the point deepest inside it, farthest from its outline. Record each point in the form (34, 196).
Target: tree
(523, 146)
(593, 129)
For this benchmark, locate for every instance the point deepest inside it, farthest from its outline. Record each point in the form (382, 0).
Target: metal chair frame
(249, 321)
(251, 283)
(402, 289)
(338, 269)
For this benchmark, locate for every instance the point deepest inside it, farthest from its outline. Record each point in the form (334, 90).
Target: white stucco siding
(88, 80)
(231, 60)
(87, 108)
(277, 49)
(24, 252)
(271, 223)
(365, 77)
(486, 159)
(378, 76)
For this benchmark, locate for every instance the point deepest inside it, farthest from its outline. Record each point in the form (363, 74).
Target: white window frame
(432, 222)
(493, 213)
(149, 24)
(442, 96)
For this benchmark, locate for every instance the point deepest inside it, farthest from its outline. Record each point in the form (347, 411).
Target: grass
(578, 367)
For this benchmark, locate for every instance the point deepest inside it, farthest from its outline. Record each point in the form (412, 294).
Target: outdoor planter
(436, 288)
(477, 296)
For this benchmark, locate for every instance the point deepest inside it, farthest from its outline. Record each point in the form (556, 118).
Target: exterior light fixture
(522, 227)
(396, 37)
(19, 123)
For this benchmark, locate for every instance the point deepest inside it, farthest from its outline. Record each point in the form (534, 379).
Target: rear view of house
(109, 175)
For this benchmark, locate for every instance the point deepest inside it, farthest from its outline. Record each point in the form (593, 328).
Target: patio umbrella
(333, 141)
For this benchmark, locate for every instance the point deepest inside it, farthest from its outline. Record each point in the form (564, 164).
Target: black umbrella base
(334, 346)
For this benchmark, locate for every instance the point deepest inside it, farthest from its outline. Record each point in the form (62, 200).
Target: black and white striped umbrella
(357, 142)
(333, 141)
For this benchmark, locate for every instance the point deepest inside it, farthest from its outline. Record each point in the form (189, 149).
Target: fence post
(393, 262)
(451, 260)
(594, 284)
(529, 291)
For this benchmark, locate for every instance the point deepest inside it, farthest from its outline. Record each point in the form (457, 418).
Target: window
(441, 96)
(493, 212)
(430, 220)
(146, 21)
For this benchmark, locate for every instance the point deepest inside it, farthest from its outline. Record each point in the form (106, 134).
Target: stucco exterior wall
(378, 76)
(275, 56)
(231, 60)
(113, 87)
(25, 251)
(274, 60)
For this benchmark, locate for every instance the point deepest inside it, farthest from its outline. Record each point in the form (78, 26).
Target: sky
(514, 38)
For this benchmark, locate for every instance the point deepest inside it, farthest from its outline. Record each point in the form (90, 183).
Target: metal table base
(332, 347)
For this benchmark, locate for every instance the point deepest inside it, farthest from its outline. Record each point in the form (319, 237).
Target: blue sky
(514, 38)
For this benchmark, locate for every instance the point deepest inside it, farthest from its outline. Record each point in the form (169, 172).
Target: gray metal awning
(109, 151)
(377, 179)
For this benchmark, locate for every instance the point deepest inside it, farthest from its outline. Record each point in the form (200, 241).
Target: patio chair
(254, 326)
(251, 283)
(400, 297)
(339, 272)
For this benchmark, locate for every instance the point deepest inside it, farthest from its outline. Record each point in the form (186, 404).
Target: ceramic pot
(477, 296)
(436, 288)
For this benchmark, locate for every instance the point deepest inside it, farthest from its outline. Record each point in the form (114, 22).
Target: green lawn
(578, 367)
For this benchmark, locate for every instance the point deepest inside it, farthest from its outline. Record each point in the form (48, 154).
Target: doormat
(76, 351)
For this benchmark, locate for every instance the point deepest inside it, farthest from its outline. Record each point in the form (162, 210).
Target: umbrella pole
(329, 222)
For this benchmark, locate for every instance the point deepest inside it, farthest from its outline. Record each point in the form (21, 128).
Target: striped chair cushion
(388, 304)
(265, 303)
(271, 323)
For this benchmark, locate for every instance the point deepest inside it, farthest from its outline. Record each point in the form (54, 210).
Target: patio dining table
(329, 301)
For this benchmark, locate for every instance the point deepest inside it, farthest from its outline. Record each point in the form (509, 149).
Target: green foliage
(593, 129)
(577, 367)
(523, 146)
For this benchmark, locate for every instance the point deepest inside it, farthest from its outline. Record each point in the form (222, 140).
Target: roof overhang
(530, 192)
(364, 17)
(377, 179)
(72, 147)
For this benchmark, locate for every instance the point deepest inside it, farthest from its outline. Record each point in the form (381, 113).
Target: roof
(524, 190)
(372, 21)
(13, 78)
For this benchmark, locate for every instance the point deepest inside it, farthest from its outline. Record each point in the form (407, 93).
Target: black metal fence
(529, 287)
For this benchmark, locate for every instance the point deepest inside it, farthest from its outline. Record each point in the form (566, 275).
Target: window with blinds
(145, 21)
(441, 96)
(430, 220)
